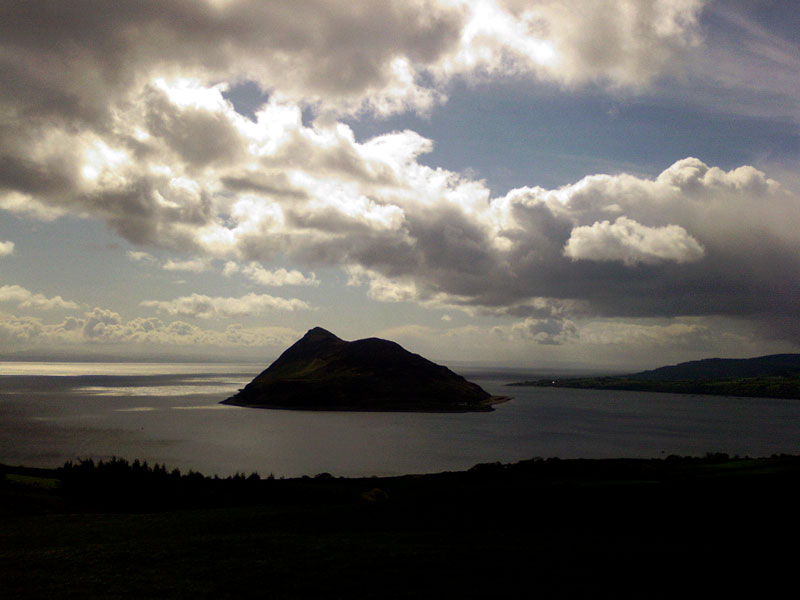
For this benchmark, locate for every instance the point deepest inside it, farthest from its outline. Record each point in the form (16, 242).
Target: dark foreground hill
(323, 372)
(678, 527)
(773, 376)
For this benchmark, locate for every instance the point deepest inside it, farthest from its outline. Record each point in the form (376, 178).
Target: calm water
(53, 412)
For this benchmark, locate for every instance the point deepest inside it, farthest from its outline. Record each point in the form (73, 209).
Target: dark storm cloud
(274, 185)
(200, 137)
(696, 241)
(137, 213)
(74, 60)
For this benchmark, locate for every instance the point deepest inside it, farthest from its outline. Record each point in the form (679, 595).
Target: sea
(171, 414)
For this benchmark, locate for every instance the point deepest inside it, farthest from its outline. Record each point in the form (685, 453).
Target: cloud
(99, 323)
(634, 343)
(142, 257)
(686, 334)
(103, 327)
(132, 128)
(632, 243)
(321, 52)
(207, 307)
(702, 240)
(231, 267)
(24, 298)
(621, 43)
(545, 331)
(279, 277)
(20, 329)
(192, 266)
(25, 204)
(362, 55)
(6, 248)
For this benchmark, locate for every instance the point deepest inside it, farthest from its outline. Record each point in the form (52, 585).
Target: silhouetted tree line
(547, 469)
(117, 483)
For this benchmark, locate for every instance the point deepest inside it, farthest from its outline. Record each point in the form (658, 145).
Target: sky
(610, 184)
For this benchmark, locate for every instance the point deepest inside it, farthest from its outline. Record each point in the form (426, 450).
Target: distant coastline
(772, 376)
(756, 387)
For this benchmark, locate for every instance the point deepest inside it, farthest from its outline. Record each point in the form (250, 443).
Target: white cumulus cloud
(545, 331)
(24, 298)
(632, 243)
(104, 327)
(192, 266)
(6, 248)
(276, 278)
(619, 42)
(207, 307)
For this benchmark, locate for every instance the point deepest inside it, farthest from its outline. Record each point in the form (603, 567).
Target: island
(772, 376)
(323, 372)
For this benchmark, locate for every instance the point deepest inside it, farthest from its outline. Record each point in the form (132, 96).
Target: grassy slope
(549, 528)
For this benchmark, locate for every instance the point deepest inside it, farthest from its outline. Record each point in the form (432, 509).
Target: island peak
(319, 333)
(323, 372)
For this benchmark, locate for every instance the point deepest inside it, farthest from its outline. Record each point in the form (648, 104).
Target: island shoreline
(487, 407)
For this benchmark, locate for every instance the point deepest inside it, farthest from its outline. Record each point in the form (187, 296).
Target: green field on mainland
(538, 528)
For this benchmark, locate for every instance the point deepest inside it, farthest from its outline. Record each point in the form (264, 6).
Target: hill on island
(323, 372)
(772, 376)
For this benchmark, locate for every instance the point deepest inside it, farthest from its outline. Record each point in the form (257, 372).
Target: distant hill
(773, 376)
(725, 368)
(323, 372)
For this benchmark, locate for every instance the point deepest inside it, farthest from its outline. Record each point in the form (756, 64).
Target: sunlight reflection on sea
(171, 414)
(120, 368)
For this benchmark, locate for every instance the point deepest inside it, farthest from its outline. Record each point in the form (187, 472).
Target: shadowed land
(551, 528)
(322, 372)
(773, 376)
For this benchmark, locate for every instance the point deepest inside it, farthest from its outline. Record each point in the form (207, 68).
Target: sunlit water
(54, 412)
